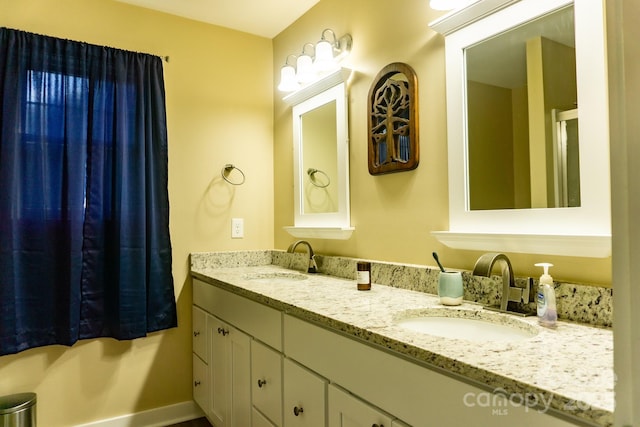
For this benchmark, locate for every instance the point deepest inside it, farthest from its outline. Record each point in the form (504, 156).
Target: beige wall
(393, 214)
(219, 110)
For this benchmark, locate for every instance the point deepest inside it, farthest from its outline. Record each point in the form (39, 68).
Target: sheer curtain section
(85, 249)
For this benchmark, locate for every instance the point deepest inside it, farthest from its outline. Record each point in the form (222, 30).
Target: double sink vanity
(311, 350)
(276, 346)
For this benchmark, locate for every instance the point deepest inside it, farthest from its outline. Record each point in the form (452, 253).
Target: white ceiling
(266, 18)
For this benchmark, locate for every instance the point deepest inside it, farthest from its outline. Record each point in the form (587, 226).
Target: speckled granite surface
(570, 367)
(576, 302)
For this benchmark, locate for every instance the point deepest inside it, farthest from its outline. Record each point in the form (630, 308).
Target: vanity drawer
(304, 397)
(200, 383)
(257, 320)
(199, 335)
(266, 381)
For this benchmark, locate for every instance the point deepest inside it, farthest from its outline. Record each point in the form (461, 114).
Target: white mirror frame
(330, 225)
(579, 231)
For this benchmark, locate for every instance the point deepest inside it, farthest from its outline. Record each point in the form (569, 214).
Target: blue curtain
(85, 249)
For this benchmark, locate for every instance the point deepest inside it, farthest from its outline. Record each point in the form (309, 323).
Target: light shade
(288, 81)
(324, 57)
(305, 70)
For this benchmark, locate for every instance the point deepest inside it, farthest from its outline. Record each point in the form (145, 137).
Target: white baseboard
(157, 417)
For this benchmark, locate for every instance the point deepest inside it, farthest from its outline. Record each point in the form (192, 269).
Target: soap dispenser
(547, 313)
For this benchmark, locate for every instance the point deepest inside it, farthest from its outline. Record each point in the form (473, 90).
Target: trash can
(18, 410)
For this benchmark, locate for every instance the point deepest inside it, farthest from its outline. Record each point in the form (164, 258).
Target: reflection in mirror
(320, 158)
(522, 116)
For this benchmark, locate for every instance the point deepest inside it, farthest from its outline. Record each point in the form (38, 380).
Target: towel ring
(226, 170)
(312, 179)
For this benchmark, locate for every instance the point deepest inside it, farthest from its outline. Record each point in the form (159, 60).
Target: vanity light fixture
(328, 53)
(448, 4)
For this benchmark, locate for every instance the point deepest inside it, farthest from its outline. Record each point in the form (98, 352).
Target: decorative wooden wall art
(393, 120)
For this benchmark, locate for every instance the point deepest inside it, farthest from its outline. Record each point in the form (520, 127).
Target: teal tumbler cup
(450, 288)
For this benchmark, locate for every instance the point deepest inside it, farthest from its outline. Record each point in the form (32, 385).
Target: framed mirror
(321, 160)
(527, 129)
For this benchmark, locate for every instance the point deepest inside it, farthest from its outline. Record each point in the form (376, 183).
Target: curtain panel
(85, 250)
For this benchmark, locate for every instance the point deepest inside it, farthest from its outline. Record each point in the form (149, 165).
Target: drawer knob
(297, 411)
(377, 425)
(196, 333)
(222, 331)
(196, 383)
(261, 383)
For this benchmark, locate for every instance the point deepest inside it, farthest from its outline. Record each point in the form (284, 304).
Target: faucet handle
(524, 294)
(529, 294)
(313, 267)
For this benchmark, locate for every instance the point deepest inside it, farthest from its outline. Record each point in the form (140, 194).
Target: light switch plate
(237, 228)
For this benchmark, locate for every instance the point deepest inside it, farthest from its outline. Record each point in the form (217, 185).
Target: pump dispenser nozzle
(545, 278)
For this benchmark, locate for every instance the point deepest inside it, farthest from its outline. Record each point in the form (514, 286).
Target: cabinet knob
(261, 383)
(222, 331)
(196, 333)
(377, 425)
(196, 383)
(297, 411)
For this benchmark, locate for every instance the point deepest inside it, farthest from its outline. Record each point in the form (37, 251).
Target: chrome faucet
(313, 267)
(510, 292)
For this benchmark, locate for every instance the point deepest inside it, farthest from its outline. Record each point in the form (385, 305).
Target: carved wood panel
(393, 120)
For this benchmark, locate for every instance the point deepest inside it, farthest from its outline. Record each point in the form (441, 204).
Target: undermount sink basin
(279, 276)
(471, 325)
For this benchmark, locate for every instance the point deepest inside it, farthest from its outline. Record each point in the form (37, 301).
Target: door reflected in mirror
(522, 131)
(320, 159)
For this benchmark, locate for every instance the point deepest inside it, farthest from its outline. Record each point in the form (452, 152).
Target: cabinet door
(266, 381)
(304, 397)
(230, 373)
(199, 332)
(345, 410)
(218, 362)
(239, 378)
(201, 383)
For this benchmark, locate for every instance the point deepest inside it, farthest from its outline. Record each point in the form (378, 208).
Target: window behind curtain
(84, 240)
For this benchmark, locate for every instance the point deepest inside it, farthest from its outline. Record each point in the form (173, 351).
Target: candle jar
(363, 276)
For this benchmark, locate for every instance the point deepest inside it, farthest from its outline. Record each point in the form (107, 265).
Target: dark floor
(200, 422)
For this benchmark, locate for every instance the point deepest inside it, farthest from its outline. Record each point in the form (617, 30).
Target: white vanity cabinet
(266, 368)
(346, 410)
(266, 382)
(304, 396)
(413, 393)
(230, 373)
(231, 349)
(200, 358)
(200, 382)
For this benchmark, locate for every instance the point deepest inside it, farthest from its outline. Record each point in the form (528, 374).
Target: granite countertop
(568, 369)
